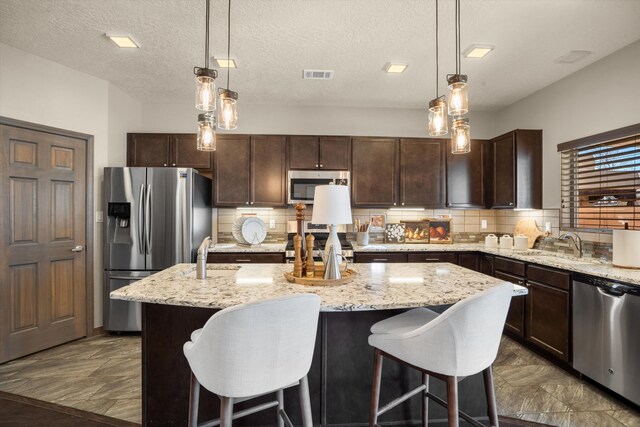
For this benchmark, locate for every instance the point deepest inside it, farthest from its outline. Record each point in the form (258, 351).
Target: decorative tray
(347, 276)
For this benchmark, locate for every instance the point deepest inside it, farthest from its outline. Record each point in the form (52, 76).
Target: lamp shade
(331, 205)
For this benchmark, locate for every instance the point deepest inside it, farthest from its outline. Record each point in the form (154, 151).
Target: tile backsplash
(466, 225)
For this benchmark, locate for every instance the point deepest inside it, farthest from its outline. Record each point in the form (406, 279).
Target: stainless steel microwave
(302, 184)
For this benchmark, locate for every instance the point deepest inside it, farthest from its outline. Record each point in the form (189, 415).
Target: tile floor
(102, 375)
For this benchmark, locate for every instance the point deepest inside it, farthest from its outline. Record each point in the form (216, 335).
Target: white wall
(40, 91)
(601, 97)
(278, 119)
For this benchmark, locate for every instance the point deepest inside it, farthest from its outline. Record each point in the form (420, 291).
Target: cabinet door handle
(317, 165)
(251, 203)
(246, 203)
(380, 260)
(173, 164)
(77, 249)
(432, 259)
(321, 166)
(165, 165)
(510, 203)
(402, 203)
(243, 260)
(394, 203)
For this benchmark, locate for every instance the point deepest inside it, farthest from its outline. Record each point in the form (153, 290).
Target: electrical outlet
(483, 224)
(272, 224)
(98, 216)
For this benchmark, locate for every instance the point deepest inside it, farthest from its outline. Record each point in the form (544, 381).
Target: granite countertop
(236, 248)
(587, 266)
(375, 287)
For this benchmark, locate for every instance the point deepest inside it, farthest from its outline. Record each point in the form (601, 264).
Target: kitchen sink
(214, 271)
(560, 259)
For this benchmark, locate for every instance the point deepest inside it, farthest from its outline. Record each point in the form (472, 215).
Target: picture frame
(416, 231)
(377, 222)
(394, 233)
(440, 230)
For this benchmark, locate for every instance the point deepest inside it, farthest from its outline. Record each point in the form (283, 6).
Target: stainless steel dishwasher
(606, 334)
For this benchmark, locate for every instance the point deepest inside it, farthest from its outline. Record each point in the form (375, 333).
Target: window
(601, 181)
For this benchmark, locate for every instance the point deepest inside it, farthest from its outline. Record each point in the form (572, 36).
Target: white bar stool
(460, 342)
(251, 350)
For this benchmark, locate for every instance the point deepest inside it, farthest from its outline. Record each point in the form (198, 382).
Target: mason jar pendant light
(460, 136)
(206, 132)
(437, 115)
(205, 77)
(227, 110)
(457, 99)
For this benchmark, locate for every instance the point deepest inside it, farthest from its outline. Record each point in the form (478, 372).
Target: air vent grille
(317, 74)
(573, 56)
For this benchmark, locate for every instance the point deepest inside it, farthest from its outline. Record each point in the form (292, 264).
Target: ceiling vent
(573, 56)
(317, 74)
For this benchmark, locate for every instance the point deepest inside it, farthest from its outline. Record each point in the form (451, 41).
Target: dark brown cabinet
(250, 171)
(386, 257)
(548, 306)
(422, 173)
(514, 272)
(374, 178)
(246, 258)
(516, 180)
(388, 172)
(465, 177)
(486, 264)
(451, 257)
(166, 150)
(323, 152)
(470, 261)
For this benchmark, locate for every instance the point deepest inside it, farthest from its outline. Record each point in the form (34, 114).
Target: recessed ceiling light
(573, 56)
(477, 51)
(124, 41)
(395, 67)
(226, 63)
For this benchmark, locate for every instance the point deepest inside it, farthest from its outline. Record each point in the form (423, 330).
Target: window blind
(601, 185)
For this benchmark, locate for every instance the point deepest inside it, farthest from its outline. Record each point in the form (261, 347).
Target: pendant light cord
(206, 40)
(458, 37)
(437, 73)
(228, 43)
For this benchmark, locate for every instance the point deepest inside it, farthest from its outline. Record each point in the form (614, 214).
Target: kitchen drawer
(245, 258)
(509, 266)
(548, 276)
(380, 257)
(433, 257)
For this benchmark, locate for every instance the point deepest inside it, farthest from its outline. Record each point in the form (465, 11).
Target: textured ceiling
(274, 40)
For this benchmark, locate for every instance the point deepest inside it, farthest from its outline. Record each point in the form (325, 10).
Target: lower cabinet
(514, 324)
(379, 257)
(246, 258)
(469, 260)
(548, 311)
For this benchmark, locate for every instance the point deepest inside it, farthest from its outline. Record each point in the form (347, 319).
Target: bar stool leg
(280, 397)
(425, 401)
(305, 403)
(492, 408)
(226, 411)
(452, 401)
(375, 388)
(194, 400)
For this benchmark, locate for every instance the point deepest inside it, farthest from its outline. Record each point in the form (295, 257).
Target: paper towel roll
(626, 248)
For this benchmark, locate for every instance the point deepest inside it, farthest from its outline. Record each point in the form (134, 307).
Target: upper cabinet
(465, 176)
(422, 173)
(388, 172)
(250, 171)
(516, 160)
(324, 152)
(374, 172)
(166, 150)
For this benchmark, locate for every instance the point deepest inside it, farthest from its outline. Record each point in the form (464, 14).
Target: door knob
(78, 248)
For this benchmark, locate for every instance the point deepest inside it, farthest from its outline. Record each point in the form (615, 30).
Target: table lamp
(332, 206)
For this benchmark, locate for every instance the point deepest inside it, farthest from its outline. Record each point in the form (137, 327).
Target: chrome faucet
(201, 261)
(577, 241)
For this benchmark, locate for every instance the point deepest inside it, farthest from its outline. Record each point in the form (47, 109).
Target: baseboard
(98, 331)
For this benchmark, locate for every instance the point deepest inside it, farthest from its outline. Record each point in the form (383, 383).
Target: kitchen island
(175, 303)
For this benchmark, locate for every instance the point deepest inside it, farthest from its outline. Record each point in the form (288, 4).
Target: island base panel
(339, 380)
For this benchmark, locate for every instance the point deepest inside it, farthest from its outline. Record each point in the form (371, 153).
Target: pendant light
(206, 132)
(205, 77)
(460, 136)
(457, 99)
(437, 116)
(227, 111)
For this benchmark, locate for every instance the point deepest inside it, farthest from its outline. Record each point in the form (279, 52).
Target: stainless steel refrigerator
(155, 218)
